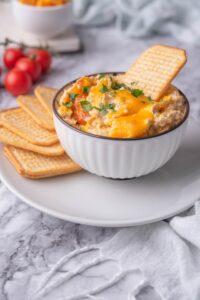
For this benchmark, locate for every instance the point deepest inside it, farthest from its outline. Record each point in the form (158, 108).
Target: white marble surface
(30, 241)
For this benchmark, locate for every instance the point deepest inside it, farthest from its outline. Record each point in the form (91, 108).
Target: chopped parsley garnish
(101, 76)
(107, 106)
(72, 96)
(104, 89)
(116, 86)
(149, 99)
(86, 89)
(103, 108)
(137, 92)
(68, 104)
(86, 105)
(111, 106)
(112, 93)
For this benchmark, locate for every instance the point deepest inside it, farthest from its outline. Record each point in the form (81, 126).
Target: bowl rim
(42, 8)
(109, 138)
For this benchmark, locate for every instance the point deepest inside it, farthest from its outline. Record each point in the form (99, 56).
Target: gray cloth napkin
(150, 262)
(141, 18)
(163, 258)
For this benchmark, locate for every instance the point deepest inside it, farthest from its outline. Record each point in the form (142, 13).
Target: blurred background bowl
(45, 22)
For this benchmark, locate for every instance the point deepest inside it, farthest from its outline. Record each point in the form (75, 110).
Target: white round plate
(89, 199)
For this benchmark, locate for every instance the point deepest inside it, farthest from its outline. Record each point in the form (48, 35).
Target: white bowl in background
(118, 158)
(44, 22)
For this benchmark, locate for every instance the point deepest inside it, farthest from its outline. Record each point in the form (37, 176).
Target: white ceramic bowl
(118, 158)
(44, 22)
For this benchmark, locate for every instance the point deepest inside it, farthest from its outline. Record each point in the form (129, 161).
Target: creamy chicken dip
(104, 106)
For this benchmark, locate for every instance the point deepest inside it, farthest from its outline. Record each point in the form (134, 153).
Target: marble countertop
(30, 241)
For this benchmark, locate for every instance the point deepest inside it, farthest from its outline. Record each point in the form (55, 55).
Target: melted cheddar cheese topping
(131, 118)
(131, 125)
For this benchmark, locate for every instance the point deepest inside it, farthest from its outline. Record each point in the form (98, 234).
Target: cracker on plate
(34, 108)
(19, 122)
(46, 95)
(34, 165)
(10, 138)
(155, 68)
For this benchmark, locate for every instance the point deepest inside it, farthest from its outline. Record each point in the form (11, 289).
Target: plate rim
(89, 221)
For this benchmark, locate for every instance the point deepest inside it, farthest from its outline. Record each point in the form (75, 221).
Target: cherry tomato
(11, 56)
(30, 66)
(43, 57)
(79, 113)
(18, 82)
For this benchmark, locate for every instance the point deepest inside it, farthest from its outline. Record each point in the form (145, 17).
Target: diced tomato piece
(79, 114)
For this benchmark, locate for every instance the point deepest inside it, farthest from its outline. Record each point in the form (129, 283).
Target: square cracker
(46, 95)
(19, 122)
(33, 165)
(10, 138)
(154, 70)
(34, 108)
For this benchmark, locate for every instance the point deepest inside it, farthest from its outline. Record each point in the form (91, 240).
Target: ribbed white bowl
(118, 158)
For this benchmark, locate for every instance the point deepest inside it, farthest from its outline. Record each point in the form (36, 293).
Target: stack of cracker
(30, 140)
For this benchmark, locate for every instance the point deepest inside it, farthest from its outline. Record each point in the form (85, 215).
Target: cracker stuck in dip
(104, 106)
